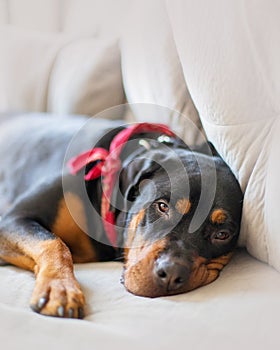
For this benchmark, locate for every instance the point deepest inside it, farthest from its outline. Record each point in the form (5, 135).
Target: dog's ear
(133, 173)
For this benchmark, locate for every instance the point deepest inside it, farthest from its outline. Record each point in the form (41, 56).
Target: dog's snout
(171, 274)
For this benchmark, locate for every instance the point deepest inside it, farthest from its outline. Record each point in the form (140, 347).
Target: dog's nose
(170, 274)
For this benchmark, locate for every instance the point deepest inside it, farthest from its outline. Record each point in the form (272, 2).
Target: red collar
(108, 166)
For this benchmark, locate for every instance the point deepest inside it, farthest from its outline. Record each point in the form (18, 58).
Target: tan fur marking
(205, 272)
(199, 273)
(52, 256)
(39, 256)
(56, 287)
(218, 216)
(183, 206)
(132, 228)
(139, 271)
(21, 261)
(220, 262)
(70, 232)
(139, 268)
(55, 279)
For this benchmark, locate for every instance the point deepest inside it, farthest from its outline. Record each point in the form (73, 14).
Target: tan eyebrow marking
(183, 206)
(218, 216)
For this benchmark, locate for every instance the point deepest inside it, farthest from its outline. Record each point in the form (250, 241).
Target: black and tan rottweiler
(176, 212)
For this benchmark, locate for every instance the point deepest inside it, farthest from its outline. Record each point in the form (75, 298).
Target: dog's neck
(107, 164)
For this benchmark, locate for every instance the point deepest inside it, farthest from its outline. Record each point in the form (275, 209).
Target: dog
(136, 193)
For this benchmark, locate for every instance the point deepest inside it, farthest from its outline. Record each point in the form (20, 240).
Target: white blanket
(240, 310)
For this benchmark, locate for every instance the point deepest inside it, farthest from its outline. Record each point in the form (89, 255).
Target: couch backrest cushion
(230, 55)
(70, 60)
(152, 72)
(26, 61)
(93, 17)
(58, 72)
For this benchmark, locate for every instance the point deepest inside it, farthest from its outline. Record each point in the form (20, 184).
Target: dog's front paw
(60, 297)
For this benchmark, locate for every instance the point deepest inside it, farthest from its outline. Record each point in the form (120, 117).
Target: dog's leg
(26, 243)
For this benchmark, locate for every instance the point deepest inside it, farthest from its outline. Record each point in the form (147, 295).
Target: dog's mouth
(151, 271)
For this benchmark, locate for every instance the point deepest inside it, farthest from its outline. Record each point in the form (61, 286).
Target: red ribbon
(108, 166)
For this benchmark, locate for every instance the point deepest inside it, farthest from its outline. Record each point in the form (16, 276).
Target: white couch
(218, 60)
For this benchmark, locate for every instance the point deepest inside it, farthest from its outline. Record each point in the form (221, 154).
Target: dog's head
(182, 223)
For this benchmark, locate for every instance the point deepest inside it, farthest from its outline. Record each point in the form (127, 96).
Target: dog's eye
(221, 235)
(163, 207)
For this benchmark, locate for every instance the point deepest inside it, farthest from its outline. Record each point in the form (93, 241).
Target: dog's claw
(71, 313)
(60, 311)
(42, 302)
(80, 312)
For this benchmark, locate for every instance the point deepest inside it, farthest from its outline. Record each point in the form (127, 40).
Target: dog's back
(33, 147)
